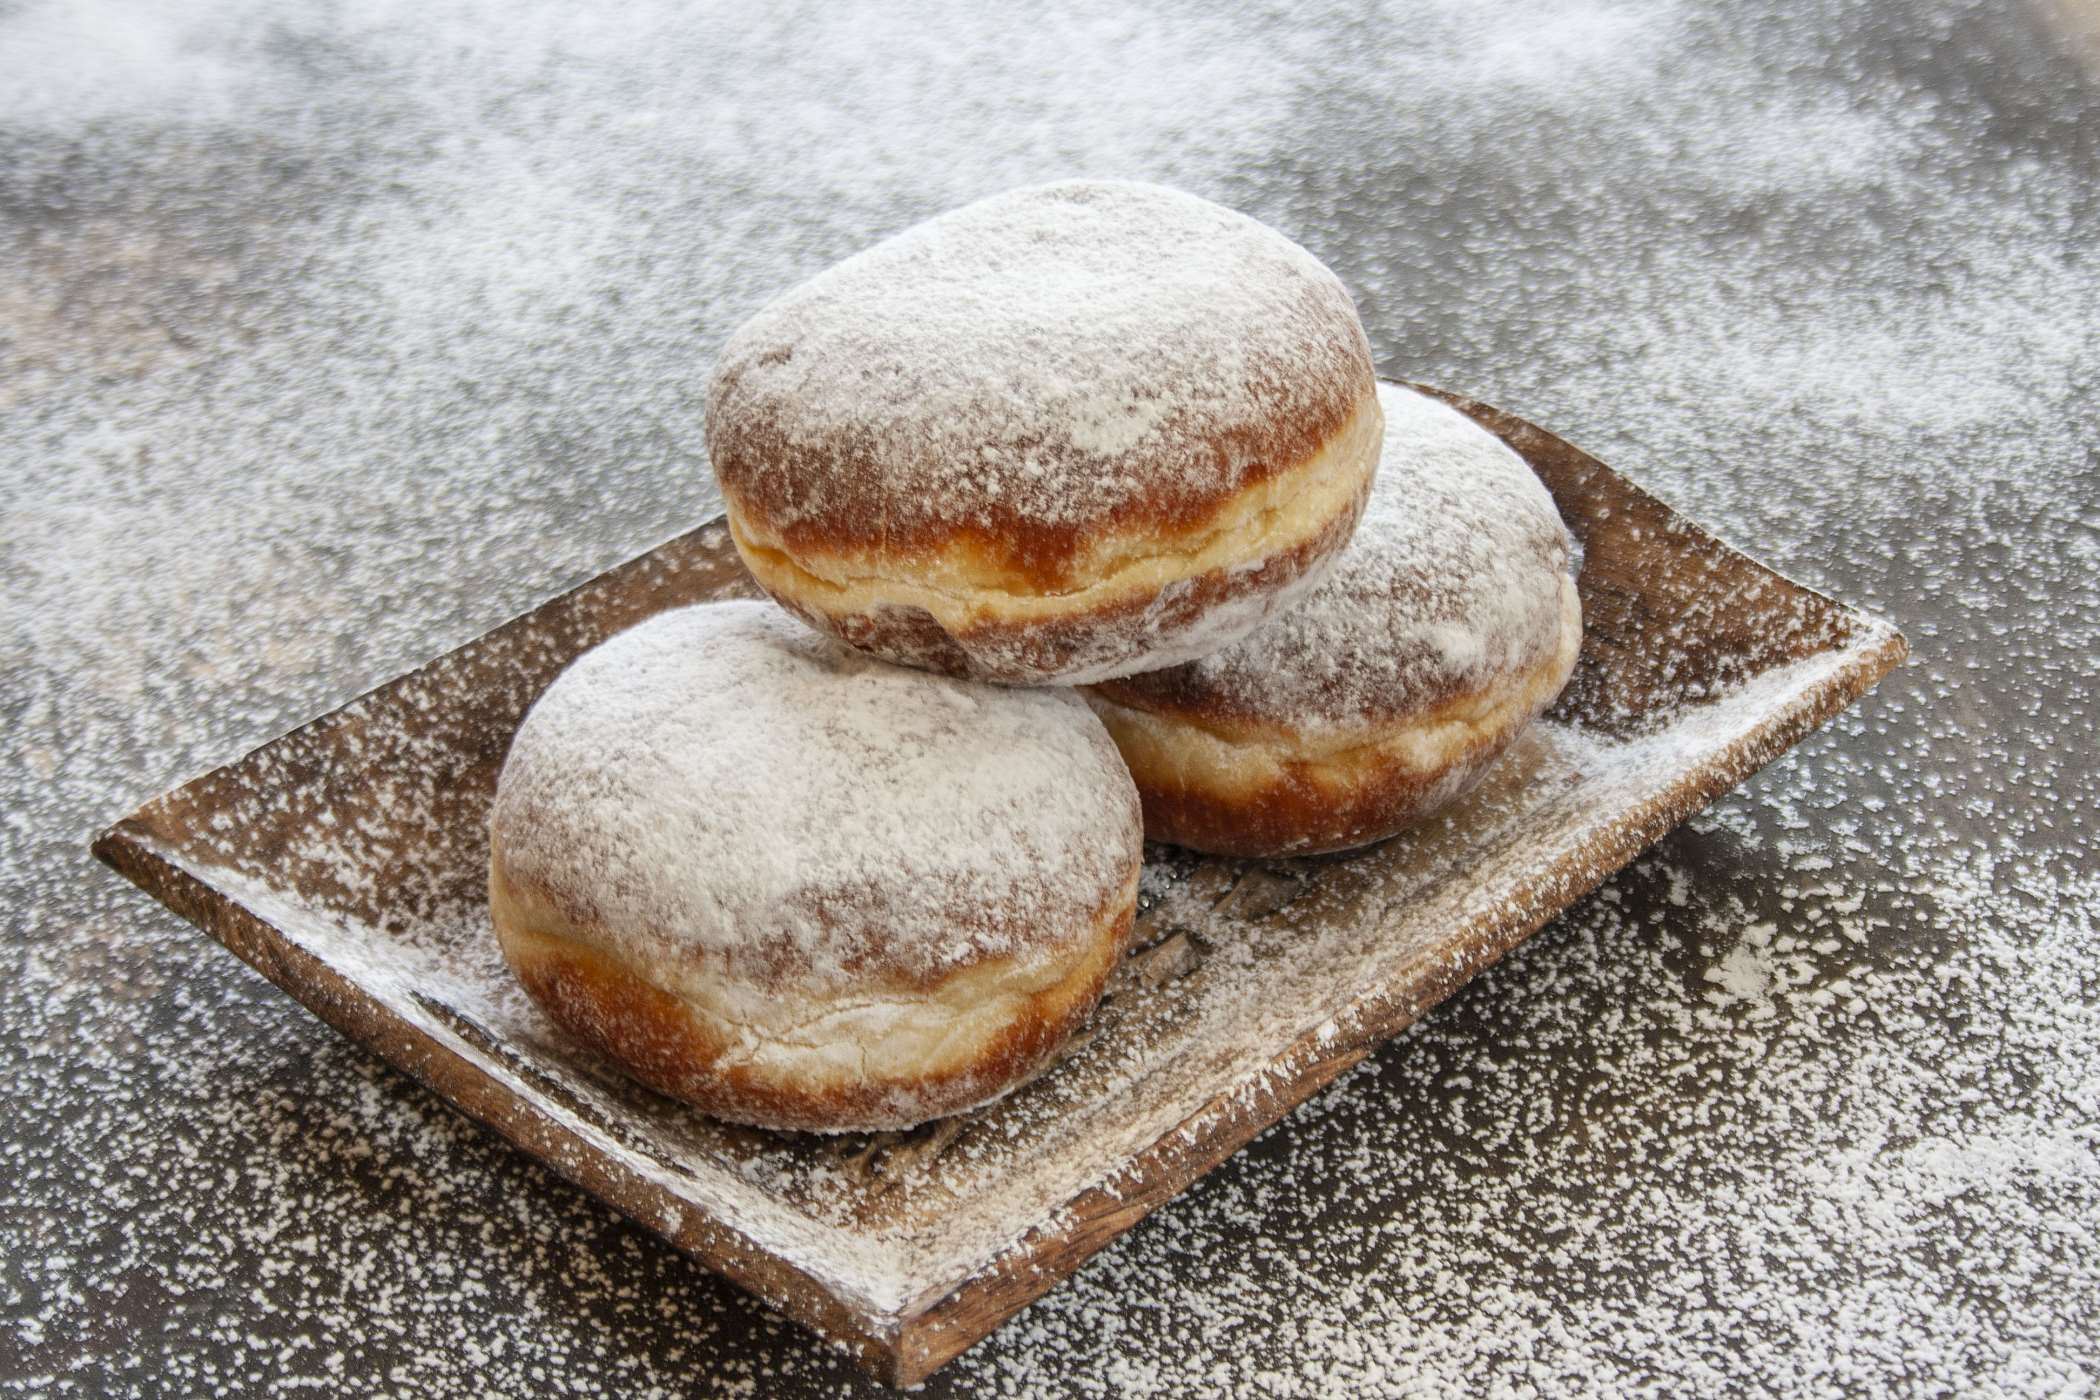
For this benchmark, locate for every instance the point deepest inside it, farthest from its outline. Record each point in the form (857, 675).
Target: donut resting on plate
(802, 889)
(1068, 433)
(1449, 625)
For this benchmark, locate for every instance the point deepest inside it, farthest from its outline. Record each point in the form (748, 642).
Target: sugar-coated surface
(333, 337)
(1451, 584)
(1050, 358)
(725, 793)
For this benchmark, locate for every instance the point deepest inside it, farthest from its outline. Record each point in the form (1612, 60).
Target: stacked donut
(1102, 528)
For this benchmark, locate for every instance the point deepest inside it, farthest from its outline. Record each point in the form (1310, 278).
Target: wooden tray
(346, 861)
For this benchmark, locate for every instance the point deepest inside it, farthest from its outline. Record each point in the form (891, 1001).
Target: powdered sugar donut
(1449, 625)
(800, 888)
(1067, 433)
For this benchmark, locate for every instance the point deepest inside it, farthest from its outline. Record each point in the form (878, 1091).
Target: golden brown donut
(802, 889)
(1067, 433)
(1449, 625)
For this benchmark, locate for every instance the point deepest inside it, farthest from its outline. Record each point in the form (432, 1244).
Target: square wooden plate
(347, 861)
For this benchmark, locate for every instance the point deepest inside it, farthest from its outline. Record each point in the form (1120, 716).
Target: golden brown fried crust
(678, 1048)
(1239, 791)
(1306, 808)
(1044, 646)
(766, 470)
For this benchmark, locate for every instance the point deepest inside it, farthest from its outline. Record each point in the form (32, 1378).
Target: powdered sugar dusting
(1451, 585)
(722, 790)
(1053, 358)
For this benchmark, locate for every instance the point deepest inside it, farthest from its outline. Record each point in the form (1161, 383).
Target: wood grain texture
(1676, 621)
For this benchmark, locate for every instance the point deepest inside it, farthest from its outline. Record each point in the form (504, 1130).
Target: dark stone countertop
(332, 336)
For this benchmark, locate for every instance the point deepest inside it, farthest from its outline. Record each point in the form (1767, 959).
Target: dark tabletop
(331, 336)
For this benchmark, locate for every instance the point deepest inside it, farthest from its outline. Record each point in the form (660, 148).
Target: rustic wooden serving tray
(347, 861)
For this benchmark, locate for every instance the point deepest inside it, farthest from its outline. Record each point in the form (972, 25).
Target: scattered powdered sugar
(1050, 359)
(1923, 1218)
(330, 337)
(1451, 584)
(722, 789)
